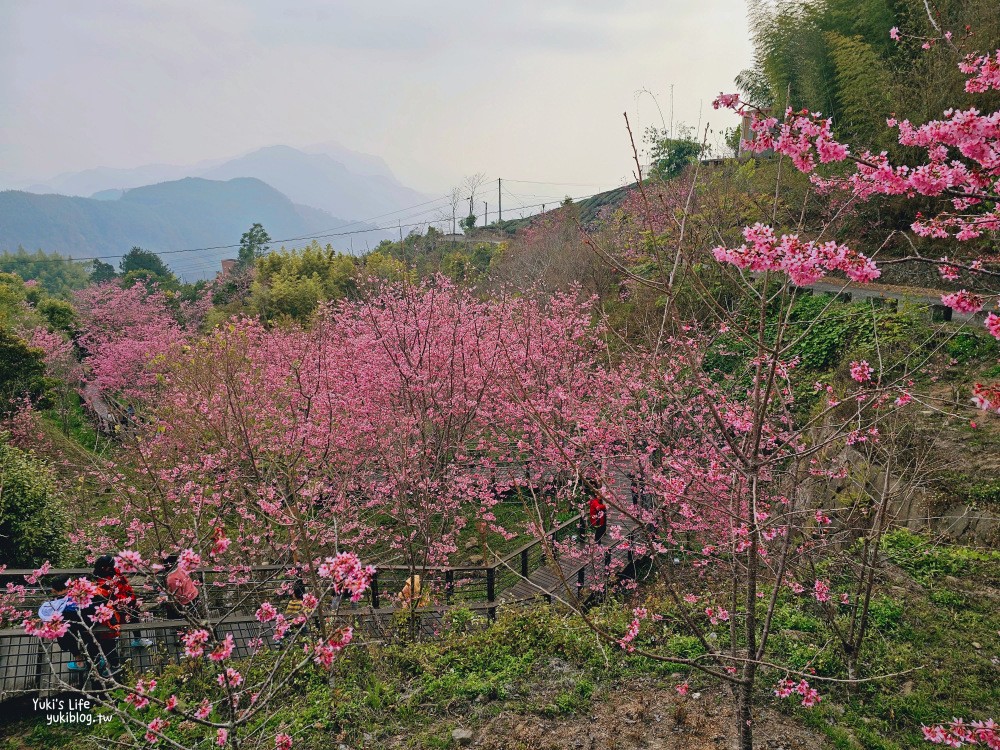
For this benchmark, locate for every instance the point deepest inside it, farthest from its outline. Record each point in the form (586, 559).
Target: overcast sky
(522, 89)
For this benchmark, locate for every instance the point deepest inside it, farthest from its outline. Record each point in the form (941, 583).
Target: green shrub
(32, 521)
(967, 346)
(22, 374)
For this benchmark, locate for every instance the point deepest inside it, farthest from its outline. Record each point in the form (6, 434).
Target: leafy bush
(967, 346)
(22, 373)
(32, 521)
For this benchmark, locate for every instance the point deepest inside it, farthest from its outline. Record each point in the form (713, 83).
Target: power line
(562, 184)
(322, 235)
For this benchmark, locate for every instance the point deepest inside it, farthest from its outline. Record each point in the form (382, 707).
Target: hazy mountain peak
(327, 176)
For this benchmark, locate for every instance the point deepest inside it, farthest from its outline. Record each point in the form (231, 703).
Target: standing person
(598, 517)
(412, 595)
(76, 640)
(117, 592)
(294, 607)
(182, 590)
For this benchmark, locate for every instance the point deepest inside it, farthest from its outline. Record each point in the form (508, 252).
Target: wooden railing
(28, 664)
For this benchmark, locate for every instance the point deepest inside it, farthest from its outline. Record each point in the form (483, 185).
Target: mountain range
(162, 207)
(326, 176)
(181, 215)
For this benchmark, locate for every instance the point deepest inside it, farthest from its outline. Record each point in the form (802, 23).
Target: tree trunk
(744, 715)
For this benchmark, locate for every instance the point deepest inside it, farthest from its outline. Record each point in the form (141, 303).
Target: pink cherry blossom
(963, 301)
(231, 678)
(204, 709)
(821, 590)
(958, 733)
(224, 650)
(194, 642)
(861, 371)
(805, 262)
(993, 325)
(54, 628)
(153, 729)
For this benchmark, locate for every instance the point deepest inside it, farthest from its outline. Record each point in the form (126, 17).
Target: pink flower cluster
(220, 545)
(266, 612)
(230, 677)
(861, 371)
(786, 688)
(36, 575)
(188, 560)
(821, 590)
(984, 71)
(204, 710)
(139, 698)
(638, 615)
(993, 325)
(194, 643)
(716, 615)
(348, 574)
(957, 733)
(82, 592)
(986, 397)
(947, 271)
(805, 262)
(324, 652)
(803, 136)
(129, 561)
(224, 650)
(963, 301)
(153, 729)
(54, 628)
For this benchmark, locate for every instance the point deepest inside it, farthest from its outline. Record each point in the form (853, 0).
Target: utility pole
(454, 229)
(671, 135)
(400, 232)
(499, 200)
(486, 213)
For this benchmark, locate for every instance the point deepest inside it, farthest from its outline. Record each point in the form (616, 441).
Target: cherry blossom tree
(123, 332)
(731, 462)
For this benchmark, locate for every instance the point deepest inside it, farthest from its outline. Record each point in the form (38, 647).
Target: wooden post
(374, 588)
(524, 563)
(449, 584)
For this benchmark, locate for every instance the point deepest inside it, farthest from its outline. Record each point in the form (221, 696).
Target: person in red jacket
(114, 588)
(598, 517)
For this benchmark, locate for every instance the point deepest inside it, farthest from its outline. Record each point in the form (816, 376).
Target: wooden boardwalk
(585, 568)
